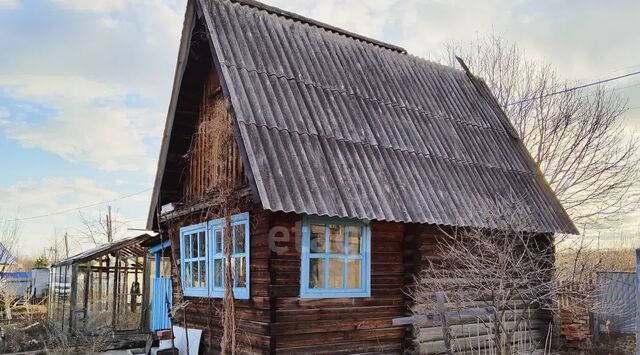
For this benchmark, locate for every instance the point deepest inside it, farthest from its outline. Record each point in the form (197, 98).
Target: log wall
(336, 325)
(421, 248)
(253, 315)
(277, 320)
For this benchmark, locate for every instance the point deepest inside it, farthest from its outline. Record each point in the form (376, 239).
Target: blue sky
(84, 85)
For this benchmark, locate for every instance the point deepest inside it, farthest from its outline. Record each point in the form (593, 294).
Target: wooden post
(73, 297)
(88, 288)
(66, 268)
(109, 226)
(99, 295)
(114, 310)
(443, 318)
(146, 273)
(66, 244)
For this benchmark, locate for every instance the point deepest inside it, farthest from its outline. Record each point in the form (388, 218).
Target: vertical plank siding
(212, 160)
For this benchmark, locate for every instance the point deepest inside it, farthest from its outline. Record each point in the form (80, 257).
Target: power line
(80, 207)
(576, 88)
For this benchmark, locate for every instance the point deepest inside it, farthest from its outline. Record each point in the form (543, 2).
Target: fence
(616, 303)
(471, 331)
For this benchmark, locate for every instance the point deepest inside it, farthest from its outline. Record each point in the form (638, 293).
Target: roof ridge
(401, 150)
(296, 17)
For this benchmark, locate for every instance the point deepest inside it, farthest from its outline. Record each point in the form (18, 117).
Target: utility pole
(109, 226)
(66, 244)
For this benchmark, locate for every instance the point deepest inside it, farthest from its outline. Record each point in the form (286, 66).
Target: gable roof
(336, 124)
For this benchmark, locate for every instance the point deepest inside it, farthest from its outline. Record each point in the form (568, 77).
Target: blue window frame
(336, 258)
(194, 266)
(239, 256)
(203, 271)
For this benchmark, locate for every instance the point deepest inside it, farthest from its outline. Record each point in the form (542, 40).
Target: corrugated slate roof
(339, 125)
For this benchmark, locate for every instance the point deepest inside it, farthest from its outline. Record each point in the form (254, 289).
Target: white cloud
(92, 5)
(108, 135)
(38, 197)
(41, 197)
(103, 137)
(49, 196)
(8, 4)
(108, 84)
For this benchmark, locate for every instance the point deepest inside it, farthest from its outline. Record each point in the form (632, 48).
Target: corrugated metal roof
(106, 248)
(334, 124)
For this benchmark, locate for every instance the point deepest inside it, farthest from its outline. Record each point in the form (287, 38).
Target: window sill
(329, 294)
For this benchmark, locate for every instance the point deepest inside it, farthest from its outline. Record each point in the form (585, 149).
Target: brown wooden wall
(421, 248)
(214, 160)
(277, 320)
(253, 315)
(337, 325)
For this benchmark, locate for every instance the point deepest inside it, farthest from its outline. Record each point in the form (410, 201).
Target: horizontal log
(478, 328)
(461, 345)
(360, 347)
(433, 319)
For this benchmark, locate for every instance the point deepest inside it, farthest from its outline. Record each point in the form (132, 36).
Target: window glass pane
(187, 274)
(196, 274)
(240, 278)
(203, 245)
(217, 273)
(336, 239)
(218, 241)
(317, 240)
(355, 240)
(194, 245)
(239, 234)
(336, 273)
(316, 273)
(203, 274)
(187, 242)
(353, 273)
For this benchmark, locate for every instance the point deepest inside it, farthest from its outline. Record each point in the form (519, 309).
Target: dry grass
(39, 334)
(584, 267)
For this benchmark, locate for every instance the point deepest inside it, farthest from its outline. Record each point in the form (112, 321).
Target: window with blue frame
(193, 250)
(335, 258)
(239, 255)
(203, 270)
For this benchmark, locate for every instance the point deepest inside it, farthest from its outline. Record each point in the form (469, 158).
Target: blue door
(161, 289)
(161, 303)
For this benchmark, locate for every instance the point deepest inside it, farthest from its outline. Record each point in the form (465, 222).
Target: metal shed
(102, 289)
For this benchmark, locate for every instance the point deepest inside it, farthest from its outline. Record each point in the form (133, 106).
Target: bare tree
(508, 270)
(8, 242)
(575, 136)
(102, 229)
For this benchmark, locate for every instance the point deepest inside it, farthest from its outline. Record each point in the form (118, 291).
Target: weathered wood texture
(468, 335)
(337, 325)
(214, 158)
(253, 315)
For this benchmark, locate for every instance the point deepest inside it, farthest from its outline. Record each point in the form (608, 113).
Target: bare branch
(576, 138)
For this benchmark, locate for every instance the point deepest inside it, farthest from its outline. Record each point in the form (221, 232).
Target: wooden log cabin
(332, 158)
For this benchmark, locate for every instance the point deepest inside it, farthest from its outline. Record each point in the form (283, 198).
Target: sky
(85, 85)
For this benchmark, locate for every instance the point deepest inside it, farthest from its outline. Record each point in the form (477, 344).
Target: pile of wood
(575, 324)
(574, 328)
